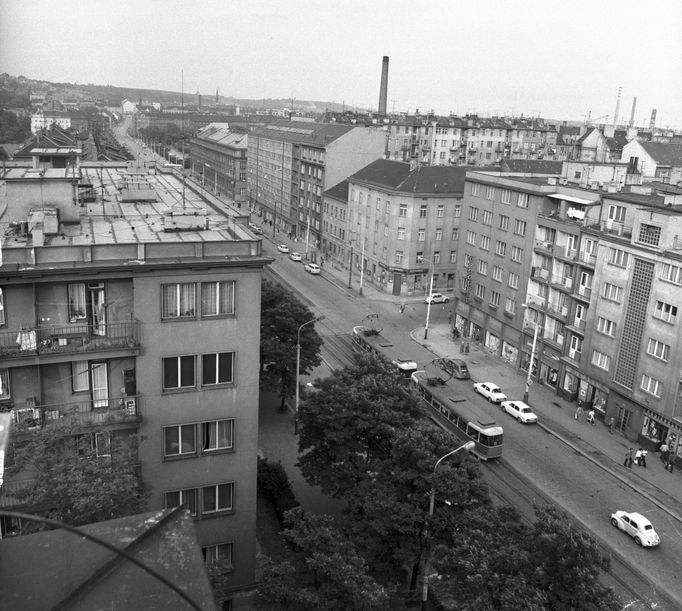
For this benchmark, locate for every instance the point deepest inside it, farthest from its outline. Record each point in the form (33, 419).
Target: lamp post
(428, 305)
(469, 445)
(529, 380)
(298, 368)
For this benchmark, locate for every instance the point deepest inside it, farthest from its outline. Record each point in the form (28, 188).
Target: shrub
(274, 485)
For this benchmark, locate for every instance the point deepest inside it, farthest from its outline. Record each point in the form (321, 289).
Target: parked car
(312, 268)
(282, 248)
(520, 411)
(457, 368)
(490, 391)
(255, 228)
(436, 298)
(637, 526)
(295, 256)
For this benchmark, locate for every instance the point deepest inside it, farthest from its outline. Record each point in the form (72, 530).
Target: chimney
(383, 91)
(632, 114)
(652, 123)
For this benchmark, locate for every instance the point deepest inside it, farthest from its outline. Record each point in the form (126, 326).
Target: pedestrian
(590, 417)
(664, 452)
(669, 464)
(321, 261)
(579, 413)
(612, 421)
(638, 456)
(628, 459)
(642, 458)
(402, 308)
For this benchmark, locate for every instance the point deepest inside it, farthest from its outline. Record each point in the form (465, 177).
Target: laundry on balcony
(27, 340)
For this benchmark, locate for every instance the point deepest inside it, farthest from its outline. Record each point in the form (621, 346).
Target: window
(217, 435)
(651, 385)
(388, 208)
(618, 257)
(438, 236)
(649, 235)
(217, 298)
(4, 385)
(520, 227)
(3, 320)
(606, 326)
(513, 280)
(80, 376)
(399, 256)
(473, 214)
(401, 233)
(658, 349)
(471, 238)
(217, 498)
(455, 233)
(487, 217)
(522, 201)
(665, 311)
(77, 309)
(480, 291)
(503, 222)
(497, 273)
(485, 242)
(217, 368)
(453, 256)
(506, 196)
(180, 440)
(500, 248)
(178, 372)
(612, 292)
(423, 208)
(509, 305)
(482, 267)
(458, 211)
(617, 213)
(419, 259)
(101, 443)
(601, 360)
(517, 254)
(671, 273)
(490, 192)
(219, 554)
(187, 497)
(177, 300)
(402, 210)
(421, 234)
(475, 189)
(440, 210)
(494, 298)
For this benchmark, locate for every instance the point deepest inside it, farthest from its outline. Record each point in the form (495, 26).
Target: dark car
(455, 367)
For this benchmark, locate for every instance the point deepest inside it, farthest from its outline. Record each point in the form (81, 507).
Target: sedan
(490, 391)
(436, 298)
(520, 411)
(294, 256)
(637, 526)
(282, 248)
(312, 268)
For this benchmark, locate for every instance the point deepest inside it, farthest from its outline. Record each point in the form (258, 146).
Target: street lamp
(428, 305)
(469, 445)
(298, 368)
(529, 380)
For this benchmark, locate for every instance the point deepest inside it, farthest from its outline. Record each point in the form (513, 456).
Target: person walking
(669, 464)
(590, 417)
(612, 421)
(638, 456)
(664, 452)
(642, 458)
(628, 459)
(579, 413)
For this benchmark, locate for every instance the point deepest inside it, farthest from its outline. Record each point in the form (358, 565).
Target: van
(457, 368)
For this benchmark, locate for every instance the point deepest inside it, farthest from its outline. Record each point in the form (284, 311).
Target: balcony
(542, 246)
(583, 292)
(587, 258)
(69, 339)
(540, 273)
(9, 490)
(565, 252)
(562, 283)
(577, 325)
(101, 412)
(557, 311)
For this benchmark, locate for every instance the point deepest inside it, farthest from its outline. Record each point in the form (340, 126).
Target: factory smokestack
(652, 123)
(615, 115)
(632, 114)
(383, 91)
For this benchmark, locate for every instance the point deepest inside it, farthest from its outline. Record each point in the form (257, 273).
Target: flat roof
(573, 199)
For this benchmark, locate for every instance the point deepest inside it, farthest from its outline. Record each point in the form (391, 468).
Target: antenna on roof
(182, 106)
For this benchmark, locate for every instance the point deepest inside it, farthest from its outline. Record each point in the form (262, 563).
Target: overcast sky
(556, 59)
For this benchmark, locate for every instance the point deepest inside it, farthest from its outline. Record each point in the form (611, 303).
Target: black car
(455, 367)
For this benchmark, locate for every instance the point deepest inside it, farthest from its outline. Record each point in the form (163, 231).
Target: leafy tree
(349, 422)
(281, 317)
(71, 483)
(336, 575)
(12, 128)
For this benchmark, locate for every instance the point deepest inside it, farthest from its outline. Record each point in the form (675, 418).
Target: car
(455, 367)
(520, 411)
(490, 391)
(436, 298)
(312, 268)
(295, 256)
(283, 248)
(255, 228)
(637, 526)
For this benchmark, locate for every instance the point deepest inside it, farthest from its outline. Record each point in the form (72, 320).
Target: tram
(366, 339)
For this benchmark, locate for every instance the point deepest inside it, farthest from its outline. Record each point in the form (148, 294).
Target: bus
(466, 420)
(366, 340)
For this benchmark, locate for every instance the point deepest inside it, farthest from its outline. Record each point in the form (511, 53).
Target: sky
(555, 59)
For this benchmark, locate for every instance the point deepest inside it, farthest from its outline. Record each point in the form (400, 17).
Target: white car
(637, 526)
(255, 228)
(282, 248)
(436, 298)
(520, 411)
(490, 391)
(294, 256)
(312, 268)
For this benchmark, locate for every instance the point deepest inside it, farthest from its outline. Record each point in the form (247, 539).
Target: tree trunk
(414, 577)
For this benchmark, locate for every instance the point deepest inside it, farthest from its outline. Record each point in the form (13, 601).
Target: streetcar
(366, 339)
(466, 420)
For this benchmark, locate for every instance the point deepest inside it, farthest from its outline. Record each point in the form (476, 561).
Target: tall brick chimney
(383, 91)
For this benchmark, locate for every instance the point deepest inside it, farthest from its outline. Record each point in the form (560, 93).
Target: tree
(349, 421)
(76, 480)
(281, 317)
(336, 575)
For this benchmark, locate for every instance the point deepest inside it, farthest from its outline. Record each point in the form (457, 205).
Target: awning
(572, 198)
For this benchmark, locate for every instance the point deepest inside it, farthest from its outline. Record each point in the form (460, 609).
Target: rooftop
(397, 176)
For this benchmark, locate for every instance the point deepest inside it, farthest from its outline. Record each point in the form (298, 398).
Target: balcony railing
(542, 245)
(586, 257)
(557, 310)
(540, 273)
(51, 339)
(578, 323)
(9, 490)
(562, 281)
(584, 291)
(99, 412)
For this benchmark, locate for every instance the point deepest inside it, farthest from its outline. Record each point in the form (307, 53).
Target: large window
(473, 214)
(219, 554)
(485, 242)
(612, 292)
(77, 306)
(618, 257)
(178, 372)
(517, 254)
(500, 248)
(5, 393)
(601, 360)
(490, 192)
(506, 196)
(522, 201)
(487, 217)
(475, 189)
(503, 222)
(649, 235)
(671, 273)
(651, 385)
(606, 326)
(217, 368)
(188, 497)
(180, 440)
(520, 227)
(658, 349)
(217, 498)
(617, 213)
(217, 435)
(217, 298)
(665, 311)
(177, 300)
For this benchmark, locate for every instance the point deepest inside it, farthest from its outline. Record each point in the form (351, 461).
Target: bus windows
(473, 433)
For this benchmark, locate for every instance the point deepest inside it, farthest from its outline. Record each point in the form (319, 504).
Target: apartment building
(135, 313)
(292, 163)
(403, 225)
(335, 239)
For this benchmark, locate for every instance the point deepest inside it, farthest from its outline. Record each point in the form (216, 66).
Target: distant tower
(383, 91)
(615, 115)
(652, 123)
(217, 97)
(198, 100)
(632, 114)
